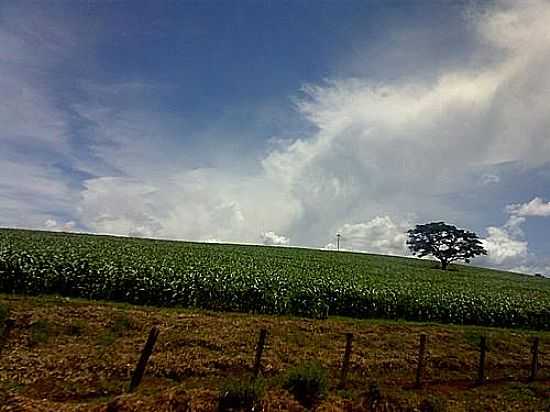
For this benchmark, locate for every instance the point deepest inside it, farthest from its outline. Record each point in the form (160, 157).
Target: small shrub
(516, 392)
(40, 332)
(76, 328)
(4, 313)
(373, 396)
(308, 383)
(121, 323)
(433, 403)
(106, 338)
(118, 327)
(236, 395)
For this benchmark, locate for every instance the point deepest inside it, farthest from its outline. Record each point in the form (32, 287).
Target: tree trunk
(444, 264)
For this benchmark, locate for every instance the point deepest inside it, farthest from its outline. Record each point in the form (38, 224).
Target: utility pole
(338, 235)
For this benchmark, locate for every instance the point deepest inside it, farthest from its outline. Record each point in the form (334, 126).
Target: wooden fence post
(259, 351)
(8, 326)
(345, 360)
(421, 355)
(481, 367)
(145, 354)
(534, 360)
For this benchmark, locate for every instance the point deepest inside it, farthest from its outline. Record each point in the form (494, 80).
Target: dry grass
(84, 359)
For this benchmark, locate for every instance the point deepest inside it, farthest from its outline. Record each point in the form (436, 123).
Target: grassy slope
(78, 355)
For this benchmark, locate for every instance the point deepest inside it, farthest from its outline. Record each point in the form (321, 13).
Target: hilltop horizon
(289, 246)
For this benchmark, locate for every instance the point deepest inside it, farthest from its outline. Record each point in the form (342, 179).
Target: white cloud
(32, 44)
(332, 246)
(489, 178)
(69, 226)
(533, 268)
(120, 206)
(50, 223)
(272, 238)
(35, 131)
(513, 226)
(379, 235)
(507, 247)
(536, 207)
(199, 204)
(512, 26)
(502, 248)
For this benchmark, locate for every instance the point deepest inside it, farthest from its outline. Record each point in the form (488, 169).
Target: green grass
(259, 279)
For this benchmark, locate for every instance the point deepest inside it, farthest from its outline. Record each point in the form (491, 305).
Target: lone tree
(444, 242)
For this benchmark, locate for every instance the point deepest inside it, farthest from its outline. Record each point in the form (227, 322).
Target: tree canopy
(444, 242)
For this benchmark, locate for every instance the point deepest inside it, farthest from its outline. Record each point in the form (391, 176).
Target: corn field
(260, 279)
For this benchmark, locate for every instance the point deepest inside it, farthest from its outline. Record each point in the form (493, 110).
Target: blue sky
(279, 122)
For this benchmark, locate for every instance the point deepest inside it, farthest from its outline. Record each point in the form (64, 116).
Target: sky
(280, 122)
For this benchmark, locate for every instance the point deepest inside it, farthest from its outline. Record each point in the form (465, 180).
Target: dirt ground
(75, 355)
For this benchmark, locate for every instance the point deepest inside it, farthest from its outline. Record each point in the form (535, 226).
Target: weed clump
(236, 395)
(118, 327)
(4, 313)
(121, 324)
(307, 382)
(40, 332)
(433, 404)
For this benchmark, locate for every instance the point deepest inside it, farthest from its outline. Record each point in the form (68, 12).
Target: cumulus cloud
(539, 267)
(507, 247)
(503, 248)
(379, 235)
(273, 239)
(51, 224)
(199, 204)
(536, 207)
(402, 147)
